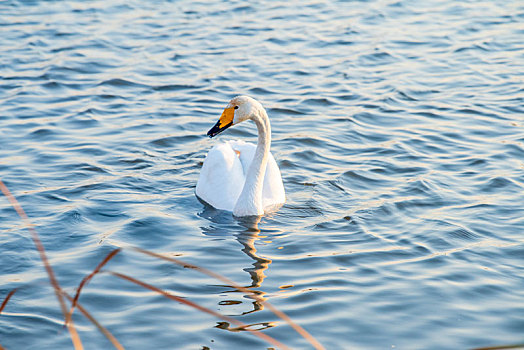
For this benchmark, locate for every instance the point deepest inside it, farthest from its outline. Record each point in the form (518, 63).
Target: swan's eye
(236, 107)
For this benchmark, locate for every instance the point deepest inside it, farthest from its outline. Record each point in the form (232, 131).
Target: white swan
(239, 176)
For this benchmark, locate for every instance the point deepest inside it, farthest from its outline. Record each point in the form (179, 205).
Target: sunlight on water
(397, 126)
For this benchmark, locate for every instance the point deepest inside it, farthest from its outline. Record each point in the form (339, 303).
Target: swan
(238, 176)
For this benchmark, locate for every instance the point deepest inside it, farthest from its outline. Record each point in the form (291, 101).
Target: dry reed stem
(52, 279)
(255, 296)
(4, 303)
(86, 279)
(502, 347)
(263, 336)
(68, 315)
(229, 282)
(101, 328)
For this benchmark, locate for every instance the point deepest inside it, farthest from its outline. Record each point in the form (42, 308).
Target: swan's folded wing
(246, 152)
(273, 192)
(221, 178)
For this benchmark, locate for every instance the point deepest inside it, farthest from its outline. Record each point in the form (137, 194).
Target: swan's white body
(239, 176)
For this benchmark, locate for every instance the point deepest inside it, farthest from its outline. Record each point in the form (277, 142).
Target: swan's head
(239, 109)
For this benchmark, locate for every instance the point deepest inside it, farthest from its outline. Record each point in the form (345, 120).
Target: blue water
(398, 127)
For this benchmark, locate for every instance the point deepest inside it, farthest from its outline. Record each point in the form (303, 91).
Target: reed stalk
(303, 333)
(60, 294)
(168, 295)
(4, 303)
(77, 343)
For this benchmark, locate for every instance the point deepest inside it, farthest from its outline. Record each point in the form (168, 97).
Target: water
(398, 128)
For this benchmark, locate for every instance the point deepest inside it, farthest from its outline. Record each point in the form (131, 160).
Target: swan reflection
(247, 236)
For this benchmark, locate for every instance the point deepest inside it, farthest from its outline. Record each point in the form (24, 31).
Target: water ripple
(398, 130)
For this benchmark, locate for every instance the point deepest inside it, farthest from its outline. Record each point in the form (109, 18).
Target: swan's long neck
(250, 200)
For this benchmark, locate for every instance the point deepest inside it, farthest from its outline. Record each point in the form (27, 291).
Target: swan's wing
(273, 192)
(245, 152)
(221, 178)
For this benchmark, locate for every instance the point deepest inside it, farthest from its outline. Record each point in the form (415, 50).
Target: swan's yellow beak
(225, 121)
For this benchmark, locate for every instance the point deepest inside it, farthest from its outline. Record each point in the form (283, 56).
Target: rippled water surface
(398, 127)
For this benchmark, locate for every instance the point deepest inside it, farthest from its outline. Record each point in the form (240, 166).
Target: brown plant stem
(52, 279)
(255, 296)
(4, 303)
(101, 328)
(86, 279)
(263, 336)
(502, 347)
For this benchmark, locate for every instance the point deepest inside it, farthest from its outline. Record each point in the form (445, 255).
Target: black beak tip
(215, 130)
